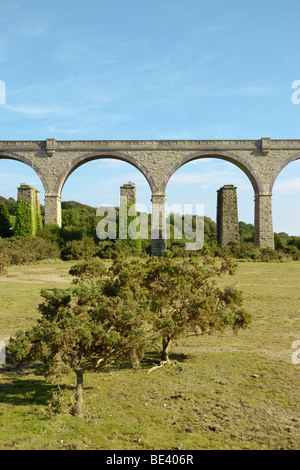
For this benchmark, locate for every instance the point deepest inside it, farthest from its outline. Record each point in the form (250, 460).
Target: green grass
(221, 392)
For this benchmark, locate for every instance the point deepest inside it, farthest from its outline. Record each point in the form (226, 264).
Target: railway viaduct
(261, 160)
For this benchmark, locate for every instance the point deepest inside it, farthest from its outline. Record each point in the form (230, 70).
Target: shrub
(71, 233)
(81, 330)
(293, 252)
(71, 217)
(88, 270)
(267, 254)
(4, 221)
(184, 299)
(294, 241)
(79, 249)
(14, 251)
(11, 205)
(167, 253)
(2, 269)
(51, 232)
(115, 248)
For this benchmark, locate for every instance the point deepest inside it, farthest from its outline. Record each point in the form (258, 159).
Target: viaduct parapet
(261, 160)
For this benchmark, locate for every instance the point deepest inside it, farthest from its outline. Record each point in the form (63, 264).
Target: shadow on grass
(22, 390)
(154, 358)
(150, 359)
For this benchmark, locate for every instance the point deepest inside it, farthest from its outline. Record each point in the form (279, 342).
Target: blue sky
(165, 69)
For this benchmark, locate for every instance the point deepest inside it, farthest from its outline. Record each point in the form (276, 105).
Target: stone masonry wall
(27, 193)
(128, 191)
(32, 197)
(227, 215)
(261, 160)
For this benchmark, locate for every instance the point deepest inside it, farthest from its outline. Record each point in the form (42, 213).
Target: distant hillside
(10, 203)
(77, 205)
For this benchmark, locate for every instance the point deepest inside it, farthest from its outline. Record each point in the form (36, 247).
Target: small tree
(185, 299)
(71, 217)
(4, 221)
(80, 330)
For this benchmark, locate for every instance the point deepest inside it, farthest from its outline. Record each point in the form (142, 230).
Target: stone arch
(27, 161)
(291, 159)
(90, 156)
(227, 156)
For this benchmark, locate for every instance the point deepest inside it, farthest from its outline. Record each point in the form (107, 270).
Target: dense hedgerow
(5, 230)
(84, 249)
(77, 239)
(17, 251)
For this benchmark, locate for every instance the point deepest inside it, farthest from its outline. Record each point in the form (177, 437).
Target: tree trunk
(165, 350)
(134, 360)
(79, 394)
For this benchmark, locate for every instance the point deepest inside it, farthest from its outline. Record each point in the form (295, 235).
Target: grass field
(220, 392)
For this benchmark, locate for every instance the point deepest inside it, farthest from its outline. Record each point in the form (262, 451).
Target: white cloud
(60, 130)
(30, 29)
(33, 110)
(3, 50)
(290, 186)
(250, 91)
(210, 179)
(242, 91)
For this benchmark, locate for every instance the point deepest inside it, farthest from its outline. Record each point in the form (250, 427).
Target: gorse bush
(114, 249)
(182, 297)
(71, 233)
(5, 230)
(249, 251)
(79, 249)
(85, 272)
(17, 251)
(51, 232)
(80, 330)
